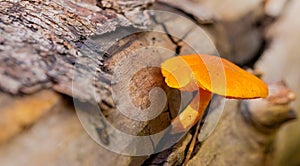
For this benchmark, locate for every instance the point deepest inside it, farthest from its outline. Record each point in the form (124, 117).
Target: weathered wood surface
(52, 32)
(70, 47)
(55, 47)
(55, 34)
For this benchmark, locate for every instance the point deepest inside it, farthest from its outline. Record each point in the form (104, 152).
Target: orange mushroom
(208, 74)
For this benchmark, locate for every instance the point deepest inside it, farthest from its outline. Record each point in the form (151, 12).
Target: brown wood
(74, 48)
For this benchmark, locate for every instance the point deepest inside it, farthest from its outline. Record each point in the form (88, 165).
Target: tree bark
(85, 50)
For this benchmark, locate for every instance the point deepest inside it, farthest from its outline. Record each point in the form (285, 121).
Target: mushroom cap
(214, 74)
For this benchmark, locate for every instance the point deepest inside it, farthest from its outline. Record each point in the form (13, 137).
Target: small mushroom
(208, 74)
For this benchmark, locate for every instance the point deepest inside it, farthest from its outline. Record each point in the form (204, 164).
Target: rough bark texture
(85, 49)
(52, 32)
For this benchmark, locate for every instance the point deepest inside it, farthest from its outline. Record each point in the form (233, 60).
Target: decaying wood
(61, 49)
(131, 9)
(54, 49)
(51, 32)
(45, 44)
(75, 47)
(56, 35)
